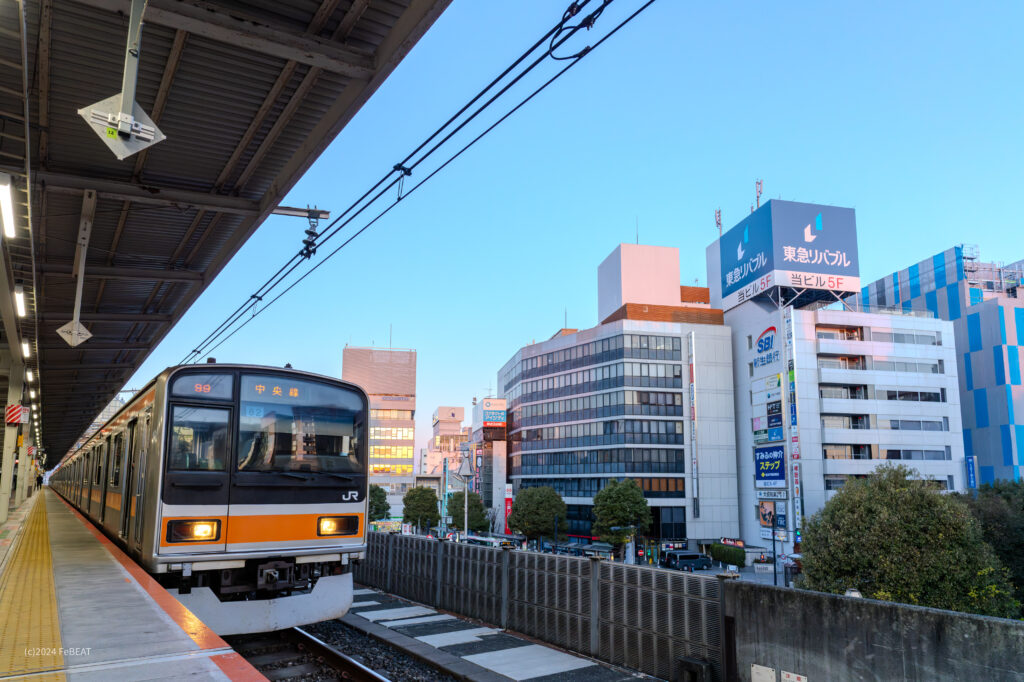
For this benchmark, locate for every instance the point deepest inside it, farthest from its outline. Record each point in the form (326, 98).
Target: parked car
(683, 560)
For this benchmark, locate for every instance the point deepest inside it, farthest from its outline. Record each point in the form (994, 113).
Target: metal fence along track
(635, 616)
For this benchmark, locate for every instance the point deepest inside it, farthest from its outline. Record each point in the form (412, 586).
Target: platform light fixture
(7, 205)
(19, 299)
(25, 349)
(32, 393)
(29, 376)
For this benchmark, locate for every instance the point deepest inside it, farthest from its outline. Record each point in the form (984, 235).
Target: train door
(115, 459)
(93, 475)
(196, 477)
(103, 464)
(127, 499)
(137, 510)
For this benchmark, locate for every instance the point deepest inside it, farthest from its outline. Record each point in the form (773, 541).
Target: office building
(647, 394)
(826, 389)
(448, 434)
(389, 378)
(985, 302)
(487, 450)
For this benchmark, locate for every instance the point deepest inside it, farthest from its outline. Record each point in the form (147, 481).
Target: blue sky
(909, 112)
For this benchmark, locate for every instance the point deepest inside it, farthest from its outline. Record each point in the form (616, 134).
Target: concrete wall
(835, 638)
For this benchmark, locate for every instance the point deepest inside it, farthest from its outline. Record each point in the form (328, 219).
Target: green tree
(419, 507)
(379, 507)
(999, 508)
(534, 511)
(477, 513)
(620, 504)
(892, 536)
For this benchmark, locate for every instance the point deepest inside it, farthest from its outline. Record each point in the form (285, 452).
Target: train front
(263, 497)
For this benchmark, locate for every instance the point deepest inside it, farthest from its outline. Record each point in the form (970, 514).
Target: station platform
(73, 606)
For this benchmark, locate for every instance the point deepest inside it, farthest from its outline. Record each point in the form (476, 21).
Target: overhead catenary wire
(579, 57)
(292, 264)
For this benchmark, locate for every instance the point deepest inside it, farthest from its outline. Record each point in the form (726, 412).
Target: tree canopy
(379, 507)
(892, 536)
(478, 521)
(419, 507)
(999, 508)
(534, 511)
(620, 504)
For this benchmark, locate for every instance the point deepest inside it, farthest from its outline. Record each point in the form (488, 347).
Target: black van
(683, 560)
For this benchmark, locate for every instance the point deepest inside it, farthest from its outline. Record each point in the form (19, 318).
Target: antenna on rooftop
(718, 220)
(759, 187)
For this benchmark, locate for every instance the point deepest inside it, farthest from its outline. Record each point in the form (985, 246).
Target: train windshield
(288, 424)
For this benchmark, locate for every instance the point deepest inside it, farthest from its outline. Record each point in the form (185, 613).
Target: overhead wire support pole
(205, 346)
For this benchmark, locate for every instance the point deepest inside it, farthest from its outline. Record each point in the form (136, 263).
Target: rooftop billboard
(786, 243)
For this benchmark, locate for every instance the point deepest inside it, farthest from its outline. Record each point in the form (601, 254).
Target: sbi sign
(766, 352)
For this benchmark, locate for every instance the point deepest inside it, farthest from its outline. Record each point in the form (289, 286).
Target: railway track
(296, 655)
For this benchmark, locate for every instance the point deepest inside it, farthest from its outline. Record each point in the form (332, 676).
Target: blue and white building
(985, 302)
(825, 389)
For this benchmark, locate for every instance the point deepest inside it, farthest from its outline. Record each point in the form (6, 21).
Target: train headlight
(200, 530)
(337, 525)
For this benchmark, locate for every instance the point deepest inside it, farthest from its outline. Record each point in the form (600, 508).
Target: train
(241, 489)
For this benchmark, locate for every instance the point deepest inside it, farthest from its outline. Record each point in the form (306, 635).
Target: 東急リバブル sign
(788, 243)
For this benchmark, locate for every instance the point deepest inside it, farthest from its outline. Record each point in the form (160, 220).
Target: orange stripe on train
(263, 528)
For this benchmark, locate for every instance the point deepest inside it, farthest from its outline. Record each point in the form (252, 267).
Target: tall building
(826, 389)
(389, 378)
(647, 394)
(985, 302)
(488, 449)
(448, 433)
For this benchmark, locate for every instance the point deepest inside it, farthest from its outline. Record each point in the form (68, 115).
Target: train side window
(199, 438)
(116, 456)
(98, 459)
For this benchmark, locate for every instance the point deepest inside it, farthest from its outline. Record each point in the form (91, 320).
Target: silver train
(241, 489)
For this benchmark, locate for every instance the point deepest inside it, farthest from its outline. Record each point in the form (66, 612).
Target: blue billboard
(494, 418)
(746, 251)
(787, 243)
(770, 467)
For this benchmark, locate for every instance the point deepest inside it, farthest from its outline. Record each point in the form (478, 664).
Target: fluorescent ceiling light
(32, 393)
(7, 205)
(24, 349)
(29, 376)
(19, 299)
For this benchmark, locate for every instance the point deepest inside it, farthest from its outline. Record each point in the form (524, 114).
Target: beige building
(448, 432)
(389, 378)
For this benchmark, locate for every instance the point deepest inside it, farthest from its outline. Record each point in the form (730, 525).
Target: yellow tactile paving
(29, 626)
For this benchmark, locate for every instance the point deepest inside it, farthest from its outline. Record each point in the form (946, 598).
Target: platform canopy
(248, 95)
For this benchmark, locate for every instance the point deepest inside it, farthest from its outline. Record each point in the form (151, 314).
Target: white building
(825, 392)
(448, 434)
(647, 394)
